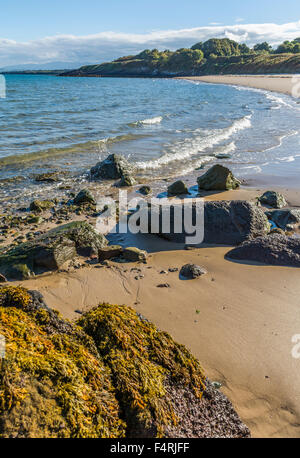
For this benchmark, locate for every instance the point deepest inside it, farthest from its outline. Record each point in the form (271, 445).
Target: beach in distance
(277, 83)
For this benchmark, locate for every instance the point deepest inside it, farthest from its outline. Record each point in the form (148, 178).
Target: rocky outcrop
(225, 222)
(218, 178)
(112, 374)
(110, 252)
(275, 250)
(51, 250)
(135, 254)
(273, 199)
(285, 219)
(178, 188)
(112, 168)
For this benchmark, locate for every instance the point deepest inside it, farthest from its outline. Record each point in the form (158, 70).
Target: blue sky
(96, 30)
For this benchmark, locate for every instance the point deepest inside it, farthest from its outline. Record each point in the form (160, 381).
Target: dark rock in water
(112, 168)
(273, 199)
(192, 271)
(145, 190)
(225, 222)
(275, 250)
(93, 362)
(109, 252)
(51, 250)
(39, 206)
(134, 254)
(218, 178)
(177, 188)
(284, 219)
(84, 197)
(127, 180)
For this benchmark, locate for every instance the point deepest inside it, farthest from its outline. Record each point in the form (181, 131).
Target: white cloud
(108, 45)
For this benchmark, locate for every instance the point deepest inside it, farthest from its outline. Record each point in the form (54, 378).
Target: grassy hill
(215, 56)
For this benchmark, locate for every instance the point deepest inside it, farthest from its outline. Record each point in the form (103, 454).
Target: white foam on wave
(149, 121)
(188, 147)
(226, 149)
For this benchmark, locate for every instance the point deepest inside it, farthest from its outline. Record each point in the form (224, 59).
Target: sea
(168, 128)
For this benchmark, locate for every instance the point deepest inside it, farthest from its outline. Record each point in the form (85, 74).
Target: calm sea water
(165, 127)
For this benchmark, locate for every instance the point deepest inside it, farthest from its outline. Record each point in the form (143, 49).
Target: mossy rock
(111, 374)
(39, 206)
(218, 178)
(51, 250)
(84, 197)
(127, 180)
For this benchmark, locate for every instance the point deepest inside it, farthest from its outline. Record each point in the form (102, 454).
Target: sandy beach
(276, 83)
(238, 320)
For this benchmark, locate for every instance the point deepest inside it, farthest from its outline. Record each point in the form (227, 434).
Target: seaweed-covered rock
(113, 167)
(225, 222)
(112, 374)
(53, 383)
(273, 199)
(192, 271)
(178, 188)
(39, 206)
(218, 178)
(275, 250)
(284, 219)
(51, 250)
(84, 197)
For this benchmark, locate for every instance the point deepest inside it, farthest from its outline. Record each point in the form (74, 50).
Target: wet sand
(238, 319)
(277, 83)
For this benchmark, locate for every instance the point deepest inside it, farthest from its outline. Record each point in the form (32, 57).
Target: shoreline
(275, 83)
(242, 337)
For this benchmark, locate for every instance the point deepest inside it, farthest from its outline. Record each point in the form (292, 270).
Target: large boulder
(284, 219)
(51, 250)
(274, 249)
(225, 222)
(112, 168)
(218, 178)
(112, 374)
(273, 199)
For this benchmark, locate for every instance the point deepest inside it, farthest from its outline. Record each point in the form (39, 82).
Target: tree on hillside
(218, 47)
(289, 47)
(263, 47)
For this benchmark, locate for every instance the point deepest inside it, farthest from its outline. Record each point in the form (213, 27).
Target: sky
(91, 31)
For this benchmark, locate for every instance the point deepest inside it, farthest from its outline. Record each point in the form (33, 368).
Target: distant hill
(215, 56)
(52, 66)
